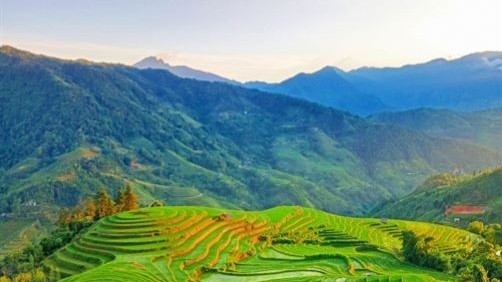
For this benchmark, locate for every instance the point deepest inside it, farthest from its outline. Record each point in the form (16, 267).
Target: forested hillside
(483, 128)
(435, 198)
(69, 128)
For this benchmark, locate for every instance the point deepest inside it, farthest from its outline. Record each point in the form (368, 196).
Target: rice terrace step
(281, 244)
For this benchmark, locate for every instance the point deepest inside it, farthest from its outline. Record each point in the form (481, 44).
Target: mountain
(71, 127)
(181, 71)
(326, 87)
(483, 128)
(472, 82)
(430, 202)
(283, 243)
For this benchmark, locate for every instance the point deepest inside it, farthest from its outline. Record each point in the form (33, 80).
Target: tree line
(27, 266)
(99, 206)
(481, 264)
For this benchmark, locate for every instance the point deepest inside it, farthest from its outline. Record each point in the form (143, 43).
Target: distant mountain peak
(156, 62)
(152, 62)
(327, 69)
(327, 86)
(325, 72)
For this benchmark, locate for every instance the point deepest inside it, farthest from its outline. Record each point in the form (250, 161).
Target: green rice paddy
(279, 244)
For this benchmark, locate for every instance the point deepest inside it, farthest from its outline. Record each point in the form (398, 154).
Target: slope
(181, 71)
(71, 127)
(325, 87)
(483, 128)
(472, 82)
(431, 200)
(194, 243)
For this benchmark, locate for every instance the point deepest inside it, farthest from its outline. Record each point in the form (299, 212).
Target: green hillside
(71, 127)
(483, 128)
(279, 244)
(431, 199)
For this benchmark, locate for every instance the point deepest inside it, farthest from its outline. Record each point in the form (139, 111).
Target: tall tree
(104, 204)
(131, 199)
(89, 206)
(120, 201)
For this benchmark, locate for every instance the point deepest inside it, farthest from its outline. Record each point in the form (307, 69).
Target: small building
(384, 220)
(465, 210)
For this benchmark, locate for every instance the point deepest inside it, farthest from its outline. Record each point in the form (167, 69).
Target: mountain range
(472, 82)
(153, 62)
(71, 127)
(326, 87)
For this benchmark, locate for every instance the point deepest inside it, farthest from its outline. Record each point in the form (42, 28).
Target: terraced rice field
(279, 244)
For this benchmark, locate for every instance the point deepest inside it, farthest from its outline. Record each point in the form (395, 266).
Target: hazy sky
(254, 39)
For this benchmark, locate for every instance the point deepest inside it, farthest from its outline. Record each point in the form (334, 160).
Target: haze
(254, 40)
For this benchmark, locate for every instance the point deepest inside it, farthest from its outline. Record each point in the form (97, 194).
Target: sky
(268, 40)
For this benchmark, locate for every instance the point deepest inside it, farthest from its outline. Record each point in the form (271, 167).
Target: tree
(23, 277)
(64, 216)
(497, 238)
(410, 240)
(38, 276)
(480, 274)
(131, 199)
(104, 204)
(89, 208)
(420, 251)
(120, 201)
(476, 227)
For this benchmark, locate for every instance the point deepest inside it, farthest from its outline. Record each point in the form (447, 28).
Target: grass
(279, 244)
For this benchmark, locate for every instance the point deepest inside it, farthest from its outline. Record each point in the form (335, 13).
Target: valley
(89, 125)
(237, 184)
(282, 243)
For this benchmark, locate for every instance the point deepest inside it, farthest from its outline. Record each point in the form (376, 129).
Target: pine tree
(120, 201)
(131, 199)
(104, 204)
(89, 208)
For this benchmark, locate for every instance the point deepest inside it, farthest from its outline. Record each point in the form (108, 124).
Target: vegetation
(479, 264)
(491, 232)
(482, 128)
(208, 244)
(26, 265)
(430, 200)
(420, 251)
(70, 127)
